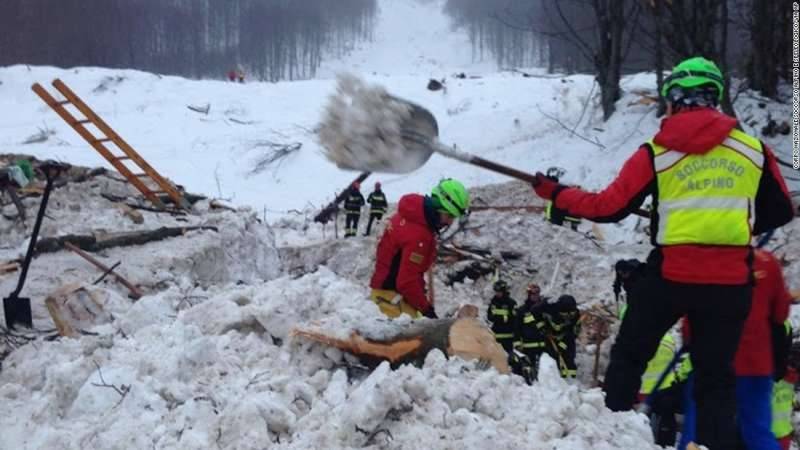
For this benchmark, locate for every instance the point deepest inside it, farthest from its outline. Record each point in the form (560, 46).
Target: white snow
(206, 358)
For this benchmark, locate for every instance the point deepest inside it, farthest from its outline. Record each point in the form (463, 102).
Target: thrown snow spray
(365, 128)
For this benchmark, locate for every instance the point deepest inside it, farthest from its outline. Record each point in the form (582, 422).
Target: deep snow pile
(223, 374)
(242, 249)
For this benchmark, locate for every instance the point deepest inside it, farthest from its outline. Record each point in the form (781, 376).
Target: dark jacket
(354, 201)
(377, 201)
(501, 315)
(531, 326)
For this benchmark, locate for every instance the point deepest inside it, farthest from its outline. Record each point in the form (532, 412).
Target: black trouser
(534, 355)
(372, 216)
(563, 351)
(666, 404)
(716, 317)
(507, 344)
(351, 223)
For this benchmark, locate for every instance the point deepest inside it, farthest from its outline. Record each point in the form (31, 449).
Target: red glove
(544, 186)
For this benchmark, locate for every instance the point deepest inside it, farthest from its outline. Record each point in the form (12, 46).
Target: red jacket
(693, 131)
(406, 251)
(770, 306)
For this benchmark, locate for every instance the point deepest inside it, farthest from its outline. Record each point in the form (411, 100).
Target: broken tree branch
(135, 293)
(555, 119)
(275, 153)
(122, 390)
(200, 109)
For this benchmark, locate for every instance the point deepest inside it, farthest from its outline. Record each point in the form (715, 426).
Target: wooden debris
(99, 241)
(217, 204)
(130, 213)
(464, 337)
(9, 267)
(75, 307)
(135, 293)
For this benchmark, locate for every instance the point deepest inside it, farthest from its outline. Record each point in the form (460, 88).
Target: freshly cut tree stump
(463, 336)
(75, 307)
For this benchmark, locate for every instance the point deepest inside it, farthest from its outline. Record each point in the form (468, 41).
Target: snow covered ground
(205, 359)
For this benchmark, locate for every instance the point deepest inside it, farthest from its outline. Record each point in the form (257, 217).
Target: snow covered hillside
(412, 37)
(206, 358)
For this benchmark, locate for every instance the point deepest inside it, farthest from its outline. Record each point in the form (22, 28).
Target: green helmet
(26, 168)
(451, 197)
(692, 73)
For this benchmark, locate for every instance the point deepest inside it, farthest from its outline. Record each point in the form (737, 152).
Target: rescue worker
(755, 366)
(377, 206)
(761, 355)
(407, 248)
(352, 209)
(714, 187)
(501, 315)
(564, 324)
(783, 396)
(627, 273)
(531, 327)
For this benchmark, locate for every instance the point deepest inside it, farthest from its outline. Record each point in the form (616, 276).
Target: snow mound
(223, 372)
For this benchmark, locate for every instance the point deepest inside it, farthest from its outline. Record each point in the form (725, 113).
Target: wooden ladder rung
(63, 102)
(82, 121)
(121, 158)
(141, 175)
(103, 140)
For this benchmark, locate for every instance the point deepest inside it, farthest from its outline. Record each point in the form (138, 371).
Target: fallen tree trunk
(464, 337)
(99, 241)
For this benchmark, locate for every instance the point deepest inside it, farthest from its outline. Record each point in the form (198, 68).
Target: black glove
(430, 313)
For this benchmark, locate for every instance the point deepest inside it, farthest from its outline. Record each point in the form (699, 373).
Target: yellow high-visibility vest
(782, 402)
(657, 366)
(708, 198)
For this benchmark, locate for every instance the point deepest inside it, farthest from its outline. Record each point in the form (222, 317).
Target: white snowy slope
(205, 359)
(412, 37)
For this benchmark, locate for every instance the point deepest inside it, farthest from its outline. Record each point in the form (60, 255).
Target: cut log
(464, 337)
(75, 307)
(99, 241)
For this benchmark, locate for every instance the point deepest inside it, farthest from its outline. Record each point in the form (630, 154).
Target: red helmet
(377, 185)
(356, 185)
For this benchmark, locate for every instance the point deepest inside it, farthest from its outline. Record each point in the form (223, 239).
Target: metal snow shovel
(367, 129)
(17, 309)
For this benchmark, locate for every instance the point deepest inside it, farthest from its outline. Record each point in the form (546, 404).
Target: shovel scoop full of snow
(365, 128)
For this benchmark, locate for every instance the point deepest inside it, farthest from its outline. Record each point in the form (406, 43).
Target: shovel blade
(17, 311)
(366, 129)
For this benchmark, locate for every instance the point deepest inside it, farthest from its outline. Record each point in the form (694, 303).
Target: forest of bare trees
(608, 38)
(270, 39)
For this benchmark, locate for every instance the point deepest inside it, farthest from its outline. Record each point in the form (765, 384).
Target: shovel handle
(468, 158)
(505, 170)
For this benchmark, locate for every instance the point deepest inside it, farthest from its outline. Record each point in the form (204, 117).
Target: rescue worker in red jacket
(754, 364)
(408, 248)
(713, 188)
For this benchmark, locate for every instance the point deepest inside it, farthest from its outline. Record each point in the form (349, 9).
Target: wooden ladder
(99, 143)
